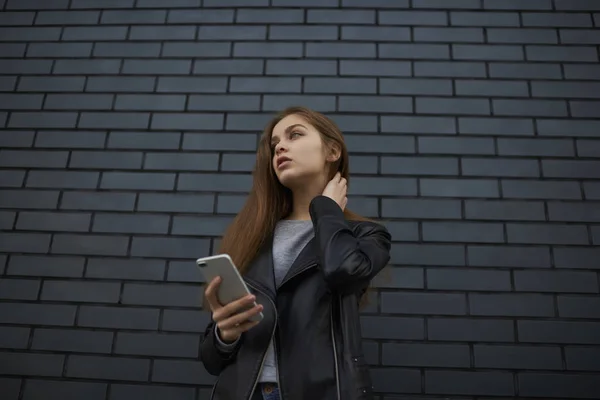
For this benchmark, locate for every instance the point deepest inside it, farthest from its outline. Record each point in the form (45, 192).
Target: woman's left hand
(336, 190)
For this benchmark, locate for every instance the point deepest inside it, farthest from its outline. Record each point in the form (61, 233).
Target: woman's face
(299, 155)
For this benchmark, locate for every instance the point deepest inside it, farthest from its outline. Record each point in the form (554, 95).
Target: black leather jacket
(312, 316)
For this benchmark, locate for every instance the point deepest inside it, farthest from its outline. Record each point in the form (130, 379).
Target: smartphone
(232, 285)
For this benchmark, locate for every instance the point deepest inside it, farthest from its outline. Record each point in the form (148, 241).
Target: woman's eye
(295, 133)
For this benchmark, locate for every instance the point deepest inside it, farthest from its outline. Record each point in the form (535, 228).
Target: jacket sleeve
(348, 261)
(215, 357)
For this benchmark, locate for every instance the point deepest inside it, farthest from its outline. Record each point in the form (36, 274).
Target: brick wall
(129, 134)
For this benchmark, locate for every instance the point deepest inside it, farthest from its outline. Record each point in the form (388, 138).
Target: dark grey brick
(454, 279)
(275, 16)
(556, 281)
(340, 50)
(585, 109)
(266, 49)
(33, 159)
(37, 314)
(156, 102)
(460, 329)
(60, 50)
(459, 188)
(582, 359)
(474, 232)
(400, 277)
(44, 221)
(517, 357)
(19, 289)
(448, 35)
(449, 69)
(561, 53)
(434, 18)
(191, 49)
(546, 234)
(395, 380)
(197, 15)
(588, 148)
(415, 86)
(50, 266)
(321, 103)
(106, 160)
(422, 51)
(504, 210)
(402, 231)
(223, 103)
(67, 17)
(16, 138)
(245, 162)
(118, 317)
(578, 306)
(81, 4)
(231, 32)
(107, 292)
(469, 383)
(499, 167)
(374, 68)
(565, 332)
(7, 218)
(428, 254)
(30, 34)
(215, 182)
(8, 83)
(375, 33)
(541, 108)
(239, 3)
(138, 181)
(9, 18)
(424, 303)
(452, 106)
(397, 328)
(97, 201)
(62, 179)
(12, 178)
(419, 165)
(228, 67)
(186, 85)
(157, 67)
(421, 208)
(164, 247)
(156, 344)
(417, 125)
(115, 120)
(566, 89)
(48, 365)
(13, 338)
(576, 5)
(573, 212)
(535, 147)
(200, 226)
(341, 16)
(579, 36)
(484, 18)
(182, 162)
(127, 391)
(525, 71)
(496, 126)
(63, 389)
(25, 67)
(68, 340)
(144, 140)
(184, 121)
(133, 17)
(454, 145)
(529, 35)
(374, 186)
(230, 204)
(107, 368)
(340, 85)
(576, 257)
(355, 123)
(219, 141)
(91, 33)
(136, 269)
(564, 127)
(455, 4)
(301, 67)
(139, 223)
(247, 122)
(592, 190)
(547, 189)
(303, 32)
(28, 199)
(571, 169)
(379, 144)
(492, 88)
(173, 32)
(517, 5)
(118, 50)
(119, 84)
(42, 120)
(102, 245)
(265, 84)
(78, 102)
(487, 52)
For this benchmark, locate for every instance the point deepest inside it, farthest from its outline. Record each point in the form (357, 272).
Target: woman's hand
(232, 319)
(336, 190)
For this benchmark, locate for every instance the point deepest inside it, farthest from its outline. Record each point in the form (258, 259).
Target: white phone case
(232, 285)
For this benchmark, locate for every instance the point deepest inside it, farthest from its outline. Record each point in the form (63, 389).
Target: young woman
(307, 261)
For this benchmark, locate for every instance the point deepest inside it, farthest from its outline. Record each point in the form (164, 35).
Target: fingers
(239, 319)
(241, 328)
(232, 308)
(210, 294)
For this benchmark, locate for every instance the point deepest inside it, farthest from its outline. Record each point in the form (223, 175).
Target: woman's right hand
(231, 319)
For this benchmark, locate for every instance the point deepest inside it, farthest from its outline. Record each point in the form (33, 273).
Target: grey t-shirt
(289, 239)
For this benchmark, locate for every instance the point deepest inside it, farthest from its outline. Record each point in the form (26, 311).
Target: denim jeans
(266, 391)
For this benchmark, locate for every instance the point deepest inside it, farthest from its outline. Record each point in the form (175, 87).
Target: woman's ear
(334, 153)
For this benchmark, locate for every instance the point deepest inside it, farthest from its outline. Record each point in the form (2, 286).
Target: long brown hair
(269, 201)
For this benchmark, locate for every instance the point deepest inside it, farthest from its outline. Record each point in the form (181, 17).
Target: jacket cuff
(226, 347)
(324, 206)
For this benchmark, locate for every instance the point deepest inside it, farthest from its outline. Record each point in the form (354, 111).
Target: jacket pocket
(361, 377)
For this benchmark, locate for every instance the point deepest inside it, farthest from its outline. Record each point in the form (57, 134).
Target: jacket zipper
(297, 273)
(272, 336)
(335, 360)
